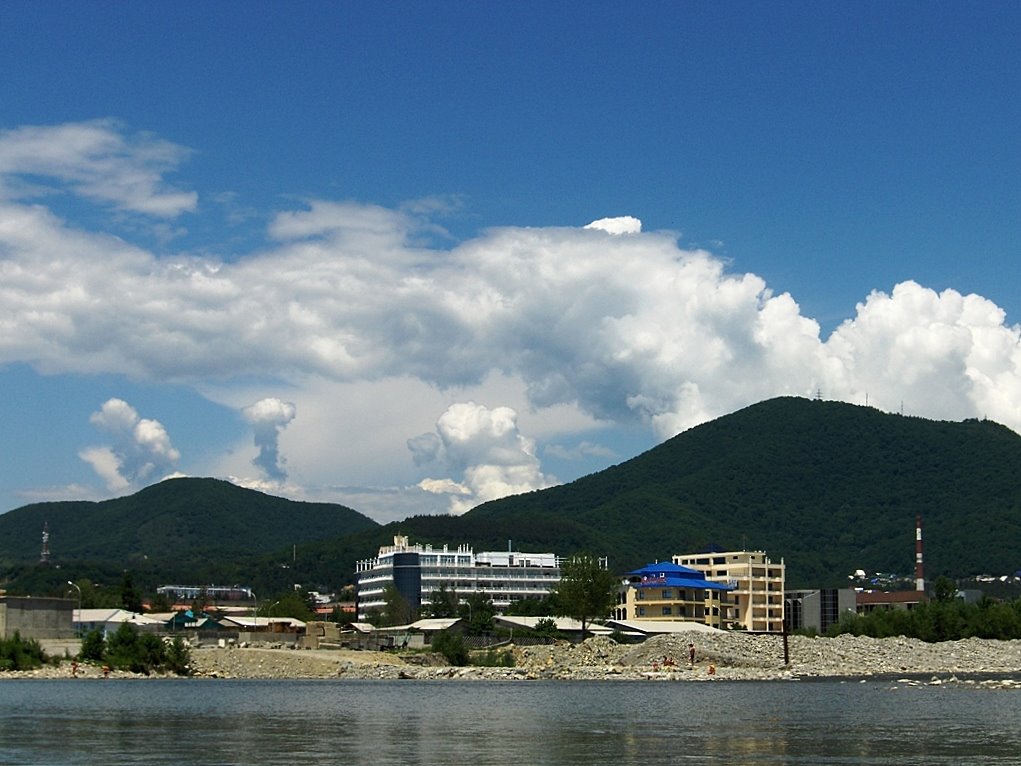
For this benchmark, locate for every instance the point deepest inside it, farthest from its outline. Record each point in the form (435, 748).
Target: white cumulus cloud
(268, 417)
(625, 224)
(141, 451)
(374, 331)
(485, 446)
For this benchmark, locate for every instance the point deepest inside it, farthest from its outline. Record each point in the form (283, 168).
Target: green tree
(546, 627)
(529, 607)
(291, 603)
(479, 611)
(443, 602)
(97, 597)
(123, 649)
(178, 658)
(93, 646)
(128, 649)
(397, 610)
(160, 603)
(586, 590)
(17, 653)
(945, 590)
(131, 598)
(451, 645)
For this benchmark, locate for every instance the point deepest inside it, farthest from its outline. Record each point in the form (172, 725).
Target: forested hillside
(826, 486)
(180, 525)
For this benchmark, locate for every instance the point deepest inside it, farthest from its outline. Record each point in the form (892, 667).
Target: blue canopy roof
(669, 575)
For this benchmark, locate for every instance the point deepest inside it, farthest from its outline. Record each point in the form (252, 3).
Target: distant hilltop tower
(44, 557)
(919, 567)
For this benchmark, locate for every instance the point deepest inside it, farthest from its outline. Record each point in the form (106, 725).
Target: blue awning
(669, 575)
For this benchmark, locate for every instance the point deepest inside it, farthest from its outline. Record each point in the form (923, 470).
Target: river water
(218, 723)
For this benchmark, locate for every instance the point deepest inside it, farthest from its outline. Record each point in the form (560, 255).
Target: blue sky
(339, 251)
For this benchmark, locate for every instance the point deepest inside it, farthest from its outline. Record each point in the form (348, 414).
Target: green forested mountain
(177, 526)
(829, 487)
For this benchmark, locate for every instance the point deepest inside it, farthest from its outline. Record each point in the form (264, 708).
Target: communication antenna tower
(44, 557)
(919, 566)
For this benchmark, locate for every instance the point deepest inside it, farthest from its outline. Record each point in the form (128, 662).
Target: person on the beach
(691, 655)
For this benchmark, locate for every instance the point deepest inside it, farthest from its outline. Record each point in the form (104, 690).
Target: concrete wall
(317, 633)
(38, 618)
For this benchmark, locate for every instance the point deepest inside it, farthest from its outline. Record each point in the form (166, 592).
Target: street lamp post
(255, 610)
(78, 620)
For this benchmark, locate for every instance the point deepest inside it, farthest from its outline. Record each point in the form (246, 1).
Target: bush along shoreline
(145, 653)
(17, 653)
(125, 652)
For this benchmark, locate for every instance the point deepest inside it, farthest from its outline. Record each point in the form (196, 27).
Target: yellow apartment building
(756, 601)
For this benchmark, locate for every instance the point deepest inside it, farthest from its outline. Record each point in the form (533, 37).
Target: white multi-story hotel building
(417, 570)
(756, 602)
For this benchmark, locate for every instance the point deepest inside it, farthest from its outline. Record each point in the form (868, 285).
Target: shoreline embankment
(718, 657)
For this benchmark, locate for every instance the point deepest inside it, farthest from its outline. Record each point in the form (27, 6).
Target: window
(668, 595)
(641, 611)
(667, 611)
(640, 595)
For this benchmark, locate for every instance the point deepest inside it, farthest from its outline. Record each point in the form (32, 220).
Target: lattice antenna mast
(44, 556)
(919, 566)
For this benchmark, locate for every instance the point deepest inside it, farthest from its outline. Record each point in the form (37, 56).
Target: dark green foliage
(94, 597)
(131, 599)
(529, 607)
(185, 527)
(93, 647)
(177, 657)
(443, 602)
(494, 658)
(944, 589)
(451, 645)
(477, 611)
(397, 610)
(161, 603)
(546, 627)
(17, 653)
(585, 591)
(827, 486)
(291, 603)
(127, 649)
(939, 620)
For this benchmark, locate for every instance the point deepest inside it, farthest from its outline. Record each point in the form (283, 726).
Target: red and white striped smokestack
(919, 569)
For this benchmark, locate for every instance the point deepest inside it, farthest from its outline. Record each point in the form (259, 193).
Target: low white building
(416, 571)
(108, 620)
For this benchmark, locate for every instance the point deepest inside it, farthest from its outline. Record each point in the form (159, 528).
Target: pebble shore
(718, 657)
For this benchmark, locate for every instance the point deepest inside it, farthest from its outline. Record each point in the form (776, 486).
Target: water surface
(536, 722)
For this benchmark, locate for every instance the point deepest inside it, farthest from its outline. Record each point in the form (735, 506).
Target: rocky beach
(718, 657)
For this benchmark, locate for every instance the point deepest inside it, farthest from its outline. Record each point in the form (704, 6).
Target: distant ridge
(173, 523)
(828, 487)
